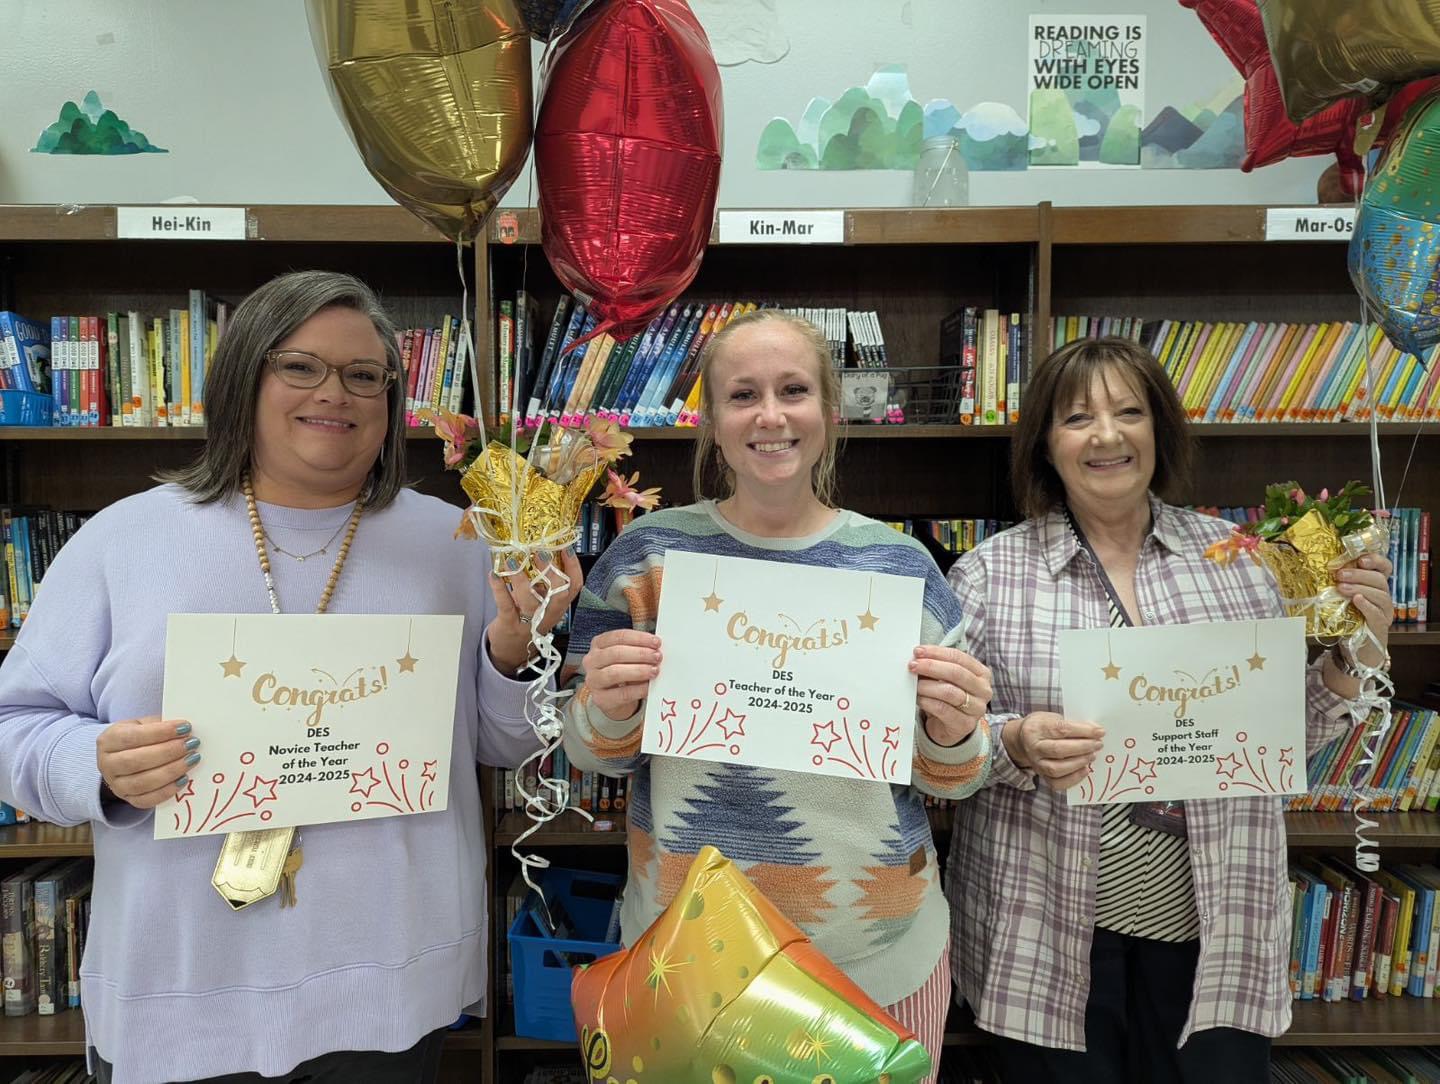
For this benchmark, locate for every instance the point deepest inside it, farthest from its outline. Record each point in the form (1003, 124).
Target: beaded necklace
(261, 552)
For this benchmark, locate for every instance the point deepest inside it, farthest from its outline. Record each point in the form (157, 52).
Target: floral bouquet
(526, 489)
(1303, 540)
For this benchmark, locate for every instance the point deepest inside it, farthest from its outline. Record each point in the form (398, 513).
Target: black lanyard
(1118, 614)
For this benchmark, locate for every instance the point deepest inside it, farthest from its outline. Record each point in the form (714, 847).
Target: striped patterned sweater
(852, 863)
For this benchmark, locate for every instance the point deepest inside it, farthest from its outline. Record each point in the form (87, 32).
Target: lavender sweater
(387, 941)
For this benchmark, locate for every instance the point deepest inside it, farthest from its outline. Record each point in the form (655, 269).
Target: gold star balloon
(723, 989)
(435, 95)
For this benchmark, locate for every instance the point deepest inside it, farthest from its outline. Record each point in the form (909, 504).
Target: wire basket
(923, 395)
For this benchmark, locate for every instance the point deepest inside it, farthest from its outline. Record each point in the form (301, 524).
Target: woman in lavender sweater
(385, 945)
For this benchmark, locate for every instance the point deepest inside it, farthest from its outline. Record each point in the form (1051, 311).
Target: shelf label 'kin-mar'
(782, 227)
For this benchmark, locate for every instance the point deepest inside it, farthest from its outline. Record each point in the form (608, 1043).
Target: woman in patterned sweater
(851, 862)
(1141, 942)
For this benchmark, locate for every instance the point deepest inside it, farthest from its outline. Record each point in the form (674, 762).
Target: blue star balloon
(1395, 251)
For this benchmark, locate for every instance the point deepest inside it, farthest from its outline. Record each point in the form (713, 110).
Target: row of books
(1409, 556)
(44, 913)
(1355, 1065)
(1356, 936)
(991, 349)
(653, 379)
(435, 361)
(1268, 371)
(598, 527)
(650, 380)
(130, 369)
(119, 368)
(31, 538)
(590, 791)
(1404, 776)
(62, 1072)
(952, 535)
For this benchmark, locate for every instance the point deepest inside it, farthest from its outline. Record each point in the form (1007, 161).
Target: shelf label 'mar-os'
(782, 227)
(181, 223)
(1309, 223)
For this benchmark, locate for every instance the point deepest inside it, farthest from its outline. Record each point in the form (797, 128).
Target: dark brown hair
(709, 466)
(263, 320)
(1067, 375)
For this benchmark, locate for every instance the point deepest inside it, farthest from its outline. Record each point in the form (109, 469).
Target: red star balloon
(627, 157)
(1270, 135)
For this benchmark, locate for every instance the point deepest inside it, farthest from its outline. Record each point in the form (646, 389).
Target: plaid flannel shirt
(1023, 863)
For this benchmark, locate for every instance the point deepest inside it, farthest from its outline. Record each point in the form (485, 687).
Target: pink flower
(456, 430)
(610, 442)
(620, 492)
(1227, 549)
(1325, 494)
(1297, 495)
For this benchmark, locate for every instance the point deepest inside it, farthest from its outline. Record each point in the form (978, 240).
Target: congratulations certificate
(1213, 710)
(785, 666)
(305, 718)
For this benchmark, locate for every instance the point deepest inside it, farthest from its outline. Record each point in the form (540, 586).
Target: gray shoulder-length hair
(263, 320)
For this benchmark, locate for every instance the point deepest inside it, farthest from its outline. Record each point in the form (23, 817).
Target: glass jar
(942, 179)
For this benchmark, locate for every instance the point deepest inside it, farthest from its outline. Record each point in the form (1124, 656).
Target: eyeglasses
(302, 370)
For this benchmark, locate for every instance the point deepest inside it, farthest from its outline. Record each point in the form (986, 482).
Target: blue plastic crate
(541, 972)
(25, 408)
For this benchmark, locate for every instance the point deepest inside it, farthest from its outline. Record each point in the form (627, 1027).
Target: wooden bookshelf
(39, 840)
(64, 1033)
(35, 1035)
(1337, 829)
(1389, 1021)
(569, 829)
(912, 266)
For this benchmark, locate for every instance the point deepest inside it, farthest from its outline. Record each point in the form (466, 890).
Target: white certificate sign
(1211, 710)
(308, 719)
(785, 666)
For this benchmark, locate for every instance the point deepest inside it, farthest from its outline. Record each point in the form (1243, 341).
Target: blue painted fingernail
(192, 760)
(179, 783)
(193, 743)
(182, 729)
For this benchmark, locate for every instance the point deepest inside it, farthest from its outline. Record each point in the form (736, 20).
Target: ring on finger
(965, 704)
(523, 617)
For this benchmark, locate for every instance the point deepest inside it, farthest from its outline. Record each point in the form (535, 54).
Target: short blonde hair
(709, 465)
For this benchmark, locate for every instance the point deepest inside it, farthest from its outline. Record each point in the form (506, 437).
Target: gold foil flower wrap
(1303, 561)
(537, 514)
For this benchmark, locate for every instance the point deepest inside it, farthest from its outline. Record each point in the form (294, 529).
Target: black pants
(418, 1065)
(1139, 998)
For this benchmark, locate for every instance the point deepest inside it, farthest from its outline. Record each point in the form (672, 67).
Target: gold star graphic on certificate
(1112, 672)
(868, 620)
(407, 661)
(712, 600)
(1257, 660)
(232, 666)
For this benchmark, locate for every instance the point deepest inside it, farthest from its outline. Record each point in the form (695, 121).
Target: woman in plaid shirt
(1118, 943)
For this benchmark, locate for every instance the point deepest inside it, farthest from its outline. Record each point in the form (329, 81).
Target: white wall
(234, 92)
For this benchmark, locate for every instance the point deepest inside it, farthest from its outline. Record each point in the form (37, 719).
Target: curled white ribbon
(1371, 702)
(542, 704)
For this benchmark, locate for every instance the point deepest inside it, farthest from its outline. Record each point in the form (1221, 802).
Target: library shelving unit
(912, 267)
